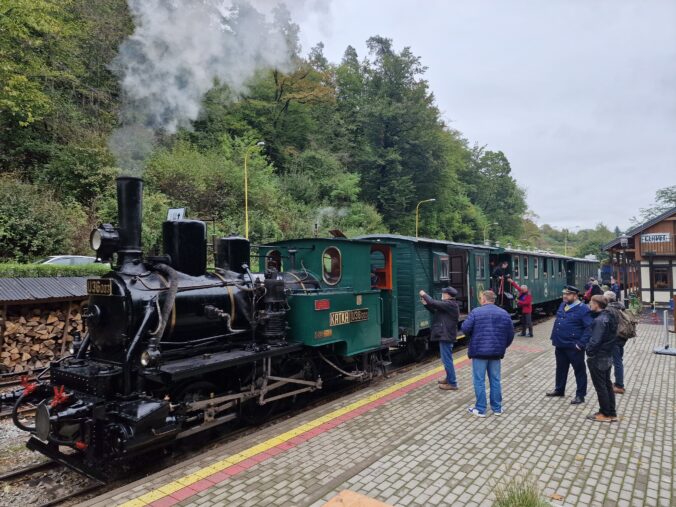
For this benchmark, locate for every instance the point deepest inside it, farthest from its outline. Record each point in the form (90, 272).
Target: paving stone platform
(404, 442)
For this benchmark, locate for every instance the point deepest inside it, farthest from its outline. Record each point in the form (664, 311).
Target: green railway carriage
(354, 307)
(430, 264)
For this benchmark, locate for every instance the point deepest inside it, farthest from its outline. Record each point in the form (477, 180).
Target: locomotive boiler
(169, 348)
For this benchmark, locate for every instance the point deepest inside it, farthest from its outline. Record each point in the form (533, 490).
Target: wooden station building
(644, 259)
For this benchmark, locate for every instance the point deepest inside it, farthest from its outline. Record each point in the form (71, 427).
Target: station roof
(640, 228)
(44, 289)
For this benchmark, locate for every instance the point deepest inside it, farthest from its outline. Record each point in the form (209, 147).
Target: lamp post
(486, 231)
(246, 186)
(417, 214)
(624, 244)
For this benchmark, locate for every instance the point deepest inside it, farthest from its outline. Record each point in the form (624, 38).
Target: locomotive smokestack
(129, 216)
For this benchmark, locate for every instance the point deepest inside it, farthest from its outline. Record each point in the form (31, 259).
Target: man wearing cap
(570, 335)
(445, 315)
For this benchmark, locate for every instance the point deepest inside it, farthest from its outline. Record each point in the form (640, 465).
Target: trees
(665, 199)
(33, 227)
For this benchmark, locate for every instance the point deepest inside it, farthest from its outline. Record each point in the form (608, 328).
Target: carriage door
(381, 279)
(457, 277)
(480, 275)
(570, 272)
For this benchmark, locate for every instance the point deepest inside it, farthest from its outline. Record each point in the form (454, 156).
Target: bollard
(666, 350)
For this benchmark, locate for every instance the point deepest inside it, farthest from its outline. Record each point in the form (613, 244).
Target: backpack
(626, 326)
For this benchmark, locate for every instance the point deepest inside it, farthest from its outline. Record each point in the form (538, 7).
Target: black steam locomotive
(169, 349)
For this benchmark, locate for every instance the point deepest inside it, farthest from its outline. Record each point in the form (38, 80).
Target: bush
(34, 224)
(17, 270)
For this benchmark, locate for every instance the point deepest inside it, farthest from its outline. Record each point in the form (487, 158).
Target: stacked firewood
(33, 337)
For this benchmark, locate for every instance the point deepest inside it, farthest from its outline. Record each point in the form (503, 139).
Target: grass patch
(18, 270)
(520, 492)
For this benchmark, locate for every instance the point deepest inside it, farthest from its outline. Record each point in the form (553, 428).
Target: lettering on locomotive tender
(99, 287)
(348, 316)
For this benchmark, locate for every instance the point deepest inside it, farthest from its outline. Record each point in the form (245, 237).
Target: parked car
(68, 260)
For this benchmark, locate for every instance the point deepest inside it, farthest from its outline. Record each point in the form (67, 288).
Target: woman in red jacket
(525, 302)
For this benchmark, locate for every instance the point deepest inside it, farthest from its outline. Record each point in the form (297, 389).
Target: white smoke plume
(180, 49)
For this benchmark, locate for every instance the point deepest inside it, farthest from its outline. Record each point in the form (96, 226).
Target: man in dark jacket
(600, 358)
(570, 335)
(490, 331)
(445, 315)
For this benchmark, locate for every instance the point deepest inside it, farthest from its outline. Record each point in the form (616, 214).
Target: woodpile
(31, 337)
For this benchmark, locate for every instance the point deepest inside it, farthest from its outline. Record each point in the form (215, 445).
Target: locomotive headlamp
(150, 357)
(105, 241)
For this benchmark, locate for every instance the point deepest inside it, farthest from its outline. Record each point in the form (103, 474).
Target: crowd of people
(590, 332)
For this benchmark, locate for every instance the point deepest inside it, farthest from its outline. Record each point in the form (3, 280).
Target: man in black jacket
(445, 315)
(600, 358)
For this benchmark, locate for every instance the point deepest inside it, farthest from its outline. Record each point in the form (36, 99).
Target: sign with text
(348, 316)
(658, 237)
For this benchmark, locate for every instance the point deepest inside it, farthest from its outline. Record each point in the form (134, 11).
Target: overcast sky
(579, 94)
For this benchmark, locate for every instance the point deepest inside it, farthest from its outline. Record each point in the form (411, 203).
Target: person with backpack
(626, 329)
(600, 358)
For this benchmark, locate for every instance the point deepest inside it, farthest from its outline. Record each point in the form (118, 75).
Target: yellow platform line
(221, 465)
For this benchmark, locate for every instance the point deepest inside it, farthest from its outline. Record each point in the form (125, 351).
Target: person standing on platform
(525, 304)
(490, 331)
(445, 315)
(571, 332)
(600, 358)
(617, 290)
(624, 332)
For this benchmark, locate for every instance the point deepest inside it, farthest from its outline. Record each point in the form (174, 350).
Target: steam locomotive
(171, 350)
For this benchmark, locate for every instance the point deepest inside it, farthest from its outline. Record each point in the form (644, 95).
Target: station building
(644, 259)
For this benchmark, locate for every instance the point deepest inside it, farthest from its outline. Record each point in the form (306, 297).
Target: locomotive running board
(35, 444)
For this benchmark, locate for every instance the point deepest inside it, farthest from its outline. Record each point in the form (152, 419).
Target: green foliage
(665, 199)
(33, 224)
(15, 269)
(519, 492)
(353, 145)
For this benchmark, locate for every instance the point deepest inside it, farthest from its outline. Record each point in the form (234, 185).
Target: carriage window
(525, 267)
(273, 261)
(561, 270)
(536, 268)
(331, 268)
(441, 267)
(515, 267)
(480, 266)
(546, 263)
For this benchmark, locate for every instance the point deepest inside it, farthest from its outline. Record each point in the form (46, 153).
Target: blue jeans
(446, 349)
(618, 353)
(479, 369)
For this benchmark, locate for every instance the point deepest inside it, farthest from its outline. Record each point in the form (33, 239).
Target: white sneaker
(497, 413)
(474, 411)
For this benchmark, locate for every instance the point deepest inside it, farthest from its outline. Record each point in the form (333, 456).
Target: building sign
(348, 316)
(660, 237)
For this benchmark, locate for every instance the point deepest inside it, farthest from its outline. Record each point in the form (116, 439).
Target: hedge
(17, 270)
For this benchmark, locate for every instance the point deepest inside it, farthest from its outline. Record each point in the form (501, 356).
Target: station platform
(404, 442)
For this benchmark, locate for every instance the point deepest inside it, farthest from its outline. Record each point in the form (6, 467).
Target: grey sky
(579, 94)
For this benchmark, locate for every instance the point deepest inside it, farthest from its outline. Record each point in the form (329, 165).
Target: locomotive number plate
(348, 316)
(99, 287)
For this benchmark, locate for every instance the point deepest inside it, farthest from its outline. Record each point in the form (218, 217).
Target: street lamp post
(565, 243)
(417, 214)
(246, 186)
(486, 231)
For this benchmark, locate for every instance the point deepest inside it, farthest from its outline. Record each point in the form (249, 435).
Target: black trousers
(527, 323)
(599, 369)
(565, 358)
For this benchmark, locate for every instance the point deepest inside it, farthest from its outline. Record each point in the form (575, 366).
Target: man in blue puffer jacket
(571, 333)
(490, 331)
